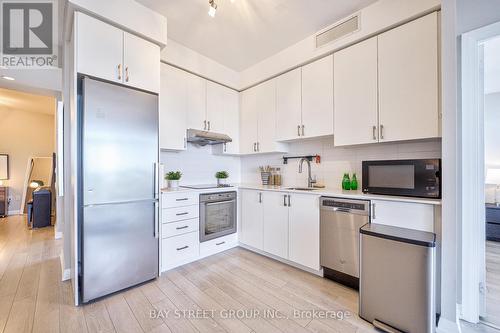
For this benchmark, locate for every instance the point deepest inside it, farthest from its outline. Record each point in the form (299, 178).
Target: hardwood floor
(234, 291)
(493, 282)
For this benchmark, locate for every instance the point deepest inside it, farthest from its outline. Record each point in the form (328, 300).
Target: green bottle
(346, 182)
(354, 182)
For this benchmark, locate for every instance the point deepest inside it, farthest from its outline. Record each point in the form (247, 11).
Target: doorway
(480, 194)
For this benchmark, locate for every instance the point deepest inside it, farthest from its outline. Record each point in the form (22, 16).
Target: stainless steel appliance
(217, 215)
(203, 138)
(118, 187)
(413, 178)
(340, 220)
(397, 284)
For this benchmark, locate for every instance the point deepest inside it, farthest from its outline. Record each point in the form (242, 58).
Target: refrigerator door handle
(156, 176)
(157, 219)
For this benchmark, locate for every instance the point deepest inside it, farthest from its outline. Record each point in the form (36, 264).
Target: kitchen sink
(301, 188)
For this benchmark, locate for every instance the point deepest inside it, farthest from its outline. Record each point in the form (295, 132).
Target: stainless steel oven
(413, 178)
(217, 215)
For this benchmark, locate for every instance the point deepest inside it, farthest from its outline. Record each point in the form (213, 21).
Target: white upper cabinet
(99, 48)
(317, 98)
(231, 120)
(106, 52)
(249, 119)
(197, 108)
(140, 59)
(408, 81)
(174, 99)
(355, 92)
(288, 105)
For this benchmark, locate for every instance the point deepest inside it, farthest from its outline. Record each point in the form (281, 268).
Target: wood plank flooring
(234, 291)
(493, 282)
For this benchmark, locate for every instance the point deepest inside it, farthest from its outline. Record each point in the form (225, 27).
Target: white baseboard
(448, 326)
(58, 235)
(65, 273)
(14, 212)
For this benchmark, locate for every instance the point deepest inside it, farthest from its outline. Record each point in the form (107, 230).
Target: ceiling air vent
(337, 31)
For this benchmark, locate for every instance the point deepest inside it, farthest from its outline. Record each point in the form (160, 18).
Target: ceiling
(245, 32)
(492, 66)
(16, 100)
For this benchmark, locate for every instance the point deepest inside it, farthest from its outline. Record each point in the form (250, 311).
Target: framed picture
(4, 166)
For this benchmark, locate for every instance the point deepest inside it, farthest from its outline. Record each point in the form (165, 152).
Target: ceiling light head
(212, 8)
(9, 78)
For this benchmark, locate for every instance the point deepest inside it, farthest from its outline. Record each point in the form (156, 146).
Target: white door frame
(473, 211)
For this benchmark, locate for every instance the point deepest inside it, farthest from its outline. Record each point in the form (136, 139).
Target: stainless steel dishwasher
(340, 221)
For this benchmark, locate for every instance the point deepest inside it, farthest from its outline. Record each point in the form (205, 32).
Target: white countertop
(319, 192)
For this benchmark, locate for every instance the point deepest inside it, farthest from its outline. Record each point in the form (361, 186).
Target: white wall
(198, 165)
(491, 137)
(335, 161)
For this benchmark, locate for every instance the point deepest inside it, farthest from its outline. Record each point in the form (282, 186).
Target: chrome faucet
(310, 181)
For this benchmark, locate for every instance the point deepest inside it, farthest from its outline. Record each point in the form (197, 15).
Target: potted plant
(173, 178)
(222, 177)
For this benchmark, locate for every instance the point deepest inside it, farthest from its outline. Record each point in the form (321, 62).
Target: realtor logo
(27, 28)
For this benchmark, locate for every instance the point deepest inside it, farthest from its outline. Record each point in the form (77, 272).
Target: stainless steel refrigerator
(118, 187)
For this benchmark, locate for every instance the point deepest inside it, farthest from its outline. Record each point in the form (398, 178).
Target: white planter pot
(221, 181)
(173, 184)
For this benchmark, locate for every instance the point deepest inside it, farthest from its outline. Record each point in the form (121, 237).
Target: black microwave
(412, 178)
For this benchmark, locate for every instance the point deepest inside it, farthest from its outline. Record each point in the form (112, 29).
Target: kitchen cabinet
(387, 87)
(106, 52)
(174, 100)
(252, 219)
(317, 98)
(355, 94)
(276, 223)
(258, 120)
(408, 81)
(197, 106)
(289, 105)
(223, 114)
(303, 246)
(416, 216)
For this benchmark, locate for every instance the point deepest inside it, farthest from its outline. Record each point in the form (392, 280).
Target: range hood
(203, 138)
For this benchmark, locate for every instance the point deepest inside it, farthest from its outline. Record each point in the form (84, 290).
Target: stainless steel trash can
(397, 282)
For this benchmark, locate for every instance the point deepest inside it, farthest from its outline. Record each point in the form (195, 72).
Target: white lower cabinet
(217, 245)
(252, 218)
(303, 230)
(276, 223)
(179, 250)
(403, 214)
(282, 224)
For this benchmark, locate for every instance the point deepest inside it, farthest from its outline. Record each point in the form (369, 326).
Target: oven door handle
(219, 202)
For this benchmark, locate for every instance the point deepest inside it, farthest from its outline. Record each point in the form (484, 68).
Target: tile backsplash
(335, 161)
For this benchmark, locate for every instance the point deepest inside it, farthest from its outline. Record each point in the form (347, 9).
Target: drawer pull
(184, 227)
(220, 243)
(181, 199)
(180, 214)
(182, 248)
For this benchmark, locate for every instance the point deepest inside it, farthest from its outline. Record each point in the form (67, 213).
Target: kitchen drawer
(179, 227)
(218, 245)
(170, 200)
(179, 250)
(180, 213)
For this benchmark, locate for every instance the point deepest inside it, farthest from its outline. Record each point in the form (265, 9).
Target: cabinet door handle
(220, 243)
(381, 132)
(181, 199)
(373, 211)
(182, 248)
(303, 130)
(254, 146)
(208, 125)
(260, 197)
(119, 71)
(225, 147)
(284, 200)
(180, 228)
(374, 132)
(289, 201)
(126, 74)
(204, 125)
(258, 146)
(180, 214)
(298, 130)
